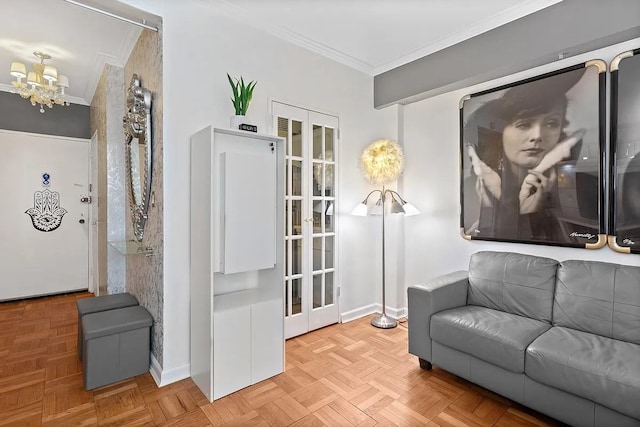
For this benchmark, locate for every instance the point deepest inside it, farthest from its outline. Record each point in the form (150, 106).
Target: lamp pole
(383, 321)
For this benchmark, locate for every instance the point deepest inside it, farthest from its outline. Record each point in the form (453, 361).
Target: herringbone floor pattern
(342, 375)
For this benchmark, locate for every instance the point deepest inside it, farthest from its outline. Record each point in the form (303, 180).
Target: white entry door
(43, 222)
(311, 297)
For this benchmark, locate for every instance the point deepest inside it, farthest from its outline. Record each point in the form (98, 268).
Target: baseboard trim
(163, 378)
(397, 313)
(359, 312)
(366, 310)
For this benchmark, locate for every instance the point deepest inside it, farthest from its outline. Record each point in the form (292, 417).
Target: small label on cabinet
(249, 128)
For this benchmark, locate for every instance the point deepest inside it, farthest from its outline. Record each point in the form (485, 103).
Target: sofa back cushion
(600, 298)
(515, 283)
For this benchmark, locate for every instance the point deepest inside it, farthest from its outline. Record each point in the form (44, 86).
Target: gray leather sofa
(562, 338)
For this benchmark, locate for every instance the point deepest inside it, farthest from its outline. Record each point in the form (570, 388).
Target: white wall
(200, 46)
(433, 245)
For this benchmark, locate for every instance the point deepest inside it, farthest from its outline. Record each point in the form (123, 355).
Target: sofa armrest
(424, 300)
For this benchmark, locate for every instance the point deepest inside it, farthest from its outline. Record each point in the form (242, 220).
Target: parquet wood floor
(342, 375)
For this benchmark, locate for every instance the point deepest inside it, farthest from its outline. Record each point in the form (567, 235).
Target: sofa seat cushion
(601, 369)
(494, 336)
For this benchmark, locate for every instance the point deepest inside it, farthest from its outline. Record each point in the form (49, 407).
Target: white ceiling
(375, 36)
(80, 42)
(372, 36)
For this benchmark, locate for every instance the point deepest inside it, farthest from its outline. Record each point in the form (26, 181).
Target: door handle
(85, 199)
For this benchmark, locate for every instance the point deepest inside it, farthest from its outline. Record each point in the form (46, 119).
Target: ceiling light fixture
(44, 86)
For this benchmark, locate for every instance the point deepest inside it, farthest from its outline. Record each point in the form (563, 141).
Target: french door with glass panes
(311, 299)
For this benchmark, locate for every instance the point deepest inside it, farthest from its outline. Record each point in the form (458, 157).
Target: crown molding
(99, 61)
(71, 99)
(231, 10)
(119, 59)
(128, 43)
(509, 15)
(321, 49)
(227, 8)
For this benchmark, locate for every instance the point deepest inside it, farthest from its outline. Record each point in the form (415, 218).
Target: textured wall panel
(144, 274)
(116, 196)
(107, 110)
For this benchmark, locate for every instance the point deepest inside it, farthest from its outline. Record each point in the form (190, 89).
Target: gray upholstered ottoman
(116, 345)
(101, 303)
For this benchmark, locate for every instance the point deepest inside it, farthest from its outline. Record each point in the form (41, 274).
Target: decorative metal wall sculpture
(531, 168)
(624, 158)
(46, 213)
(139, 147)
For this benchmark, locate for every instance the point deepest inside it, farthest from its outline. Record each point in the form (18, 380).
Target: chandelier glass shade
(43, 86)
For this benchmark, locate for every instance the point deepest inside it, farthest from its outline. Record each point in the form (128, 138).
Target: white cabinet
(246, 348)
(231, 350)
(248, 203)
(267, 351)
(237, 259)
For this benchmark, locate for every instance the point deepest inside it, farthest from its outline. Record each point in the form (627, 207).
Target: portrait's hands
(561, 151)
(488, 184)
(534, 190)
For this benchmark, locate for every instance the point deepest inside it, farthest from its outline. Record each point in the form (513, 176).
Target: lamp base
(384, 322)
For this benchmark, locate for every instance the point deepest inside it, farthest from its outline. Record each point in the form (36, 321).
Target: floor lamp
(382, 162)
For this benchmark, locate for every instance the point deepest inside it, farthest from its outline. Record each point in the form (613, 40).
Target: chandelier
(44, 86)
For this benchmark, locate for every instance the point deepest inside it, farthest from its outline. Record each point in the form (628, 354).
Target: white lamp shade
(360, 210)
(34, 78)
(50, 73)
(330, 209)
(63, 81)
(396, 207)
(410, 210)
(18, 70)
(377, 208)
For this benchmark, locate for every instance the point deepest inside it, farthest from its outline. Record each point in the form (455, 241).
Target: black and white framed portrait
(532, 160)
(624, 191)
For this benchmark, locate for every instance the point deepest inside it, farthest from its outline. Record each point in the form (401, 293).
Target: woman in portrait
(515, 143)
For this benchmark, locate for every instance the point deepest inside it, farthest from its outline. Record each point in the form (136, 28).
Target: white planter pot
(237, 121)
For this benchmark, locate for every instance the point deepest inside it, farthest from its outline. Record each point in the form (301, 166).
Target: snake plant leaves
(242, 94)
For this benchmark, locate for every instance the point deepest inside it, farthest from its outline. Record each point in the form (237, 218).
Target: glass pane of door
(328, 288)
(328, 145)
(317, 291)
(296, 296)
(296, 138)
(317, 142)
(328, 252)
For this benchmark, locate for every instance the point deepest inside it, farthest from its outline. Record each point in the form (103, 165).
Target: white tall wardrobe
(237, 259)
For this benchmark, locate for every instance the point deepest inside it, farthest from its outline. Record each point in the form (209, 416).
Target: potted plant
(242, 95)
